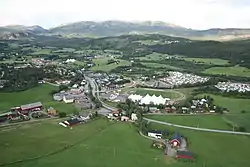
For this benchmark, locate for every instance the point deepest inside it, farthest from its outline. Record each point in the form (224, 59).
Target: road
(197, 129)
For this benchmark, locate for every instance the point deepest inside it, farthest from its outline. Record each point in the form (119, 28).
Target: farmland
(153, 56)
(233, 71)
(207, 61)
(100, 138)
(41, 93)
(210, 148)
(209, 121)
(101, 64)
(158, 65)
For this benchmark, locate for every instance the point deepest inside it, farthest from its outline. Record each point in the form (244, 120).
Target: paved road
(193, 128)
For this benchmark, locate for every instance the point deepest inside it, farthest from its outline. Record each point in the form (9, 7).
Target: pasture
(41, 93)
(205, 121)
(159, 65)
(234, 71)
(154, 56)
(98, 143)
(214, 149)
(101, 64)
(208, 61)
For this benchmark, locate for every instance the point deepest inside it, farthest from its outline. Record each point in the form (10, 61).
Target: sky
(195, 14)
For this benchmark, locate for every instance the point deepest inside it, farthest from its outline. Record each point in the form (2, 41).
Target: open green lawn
(165, 93)
(41, 93)
(207, 61)
(214, 149)
(234, 71)
(101, 64)
(234, 105)
(158, 65)
(41, 51)
(206, 121)
(154, 56)
(98, 143)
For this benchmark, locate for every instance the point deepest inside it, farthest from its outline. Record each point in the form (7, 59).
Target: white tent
(135, 98)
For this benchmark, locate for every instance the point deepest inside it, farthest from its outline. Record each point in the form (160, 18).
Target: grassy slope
(41, 93)
(207, 61)
(103, 66)
(235, 71)
(214, 149)
(158, 65)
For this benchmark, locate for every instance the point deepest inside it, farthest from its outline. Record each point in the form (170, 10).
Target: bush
(62, 114)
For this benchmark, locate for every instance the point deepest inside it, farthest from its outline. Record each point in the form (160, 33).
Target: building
(176, 139)
(68, 99)
(124, 118)
(134, 117)
(185, 155)
(58, 96)
(51, 111)
(32, 106)
(155, 134)
(70, 122)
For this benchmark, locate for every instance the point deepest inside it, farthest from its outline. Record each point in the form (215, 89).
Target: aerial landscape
(108, 84)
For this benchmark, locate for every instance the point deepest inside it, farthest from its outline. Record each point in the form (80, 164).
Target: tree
(63, 87)
(62, 114)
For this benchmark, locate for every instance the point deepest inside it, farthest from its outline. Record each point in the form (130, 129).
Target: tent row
(156, 100)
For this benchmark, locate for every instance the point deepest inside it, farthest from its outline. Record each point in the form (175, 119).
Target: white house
(134, 117)
(124, 118)
(68, 99)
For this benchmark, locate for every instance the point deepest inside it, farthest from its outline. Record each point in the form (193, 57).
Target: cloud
(197, 14)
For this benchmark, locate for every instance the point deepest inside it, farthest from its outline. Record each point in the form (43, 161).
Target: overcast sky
(196, 14)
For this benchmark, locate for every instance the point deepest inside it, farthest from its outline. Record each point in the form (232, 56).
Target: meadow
(233, 71)
(212, 61)
(101, 64)
(42, 93)
(154, 56)
(158, 65)
(205, 121)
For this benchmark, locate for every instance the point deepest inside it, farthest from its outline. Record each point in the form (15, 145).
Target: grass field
(158, 65)
(214, 149)
(207, 121)
(41, 51)
(234, 71)
(154, 56)
(41, 93)
(234, 105)
(165, 93)
(207, 61)
(94, 144)
(101, 64)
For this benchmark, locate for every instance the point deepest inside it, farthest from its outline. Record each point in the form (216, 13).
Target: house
(51, 111)
(116, 113)
(68, 99)
(134, 117)
(32, 106)
(124, 118)
(70, 122)
(185, 155)
(155, 134)
(176, 139)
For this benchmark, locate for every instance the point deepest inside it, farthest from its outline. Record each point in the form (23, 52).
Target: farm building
(68, 99)
(32, 106)
(124, 118)
(176, 139)
(185, 155)
(70, 122)
(51, 111)
(155, 134)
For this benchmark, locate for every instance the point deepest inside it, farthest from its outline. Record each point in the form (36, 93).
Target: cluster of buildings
(178, 78)
(148, 99)
(116, 115)
(230, 86)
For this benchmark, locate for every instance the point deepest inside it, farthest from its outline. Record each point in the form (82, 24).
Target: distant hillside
(115, 28)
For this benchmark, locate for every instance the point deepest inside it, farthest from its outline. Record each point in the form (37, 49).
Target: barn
(185, 155)
(176, 139)
(31, 106)
(70, 122)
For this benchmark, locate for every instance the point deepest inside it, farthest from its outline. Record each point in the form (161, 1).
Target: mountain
(114, 28)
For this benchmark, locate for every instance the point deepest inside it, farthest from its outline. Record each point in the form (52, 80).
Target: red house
(185, 155)
(176, 139)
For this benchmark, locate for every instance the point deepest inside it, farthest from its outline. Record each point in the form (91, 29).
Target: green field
(234, 71)
(154, 56)
(158, 65)
(234, 105)
(41, 93)
(207, 61)
(98, 143)
(207, 121)
(214, 149)
(41, 51)
(101, 64)
(165, 93)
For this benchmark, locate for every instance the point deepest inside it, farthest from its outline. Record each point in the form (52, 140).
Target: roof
(176, 136)
(185, 153)
(158, 131)
(73, 121)
(31, 106)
